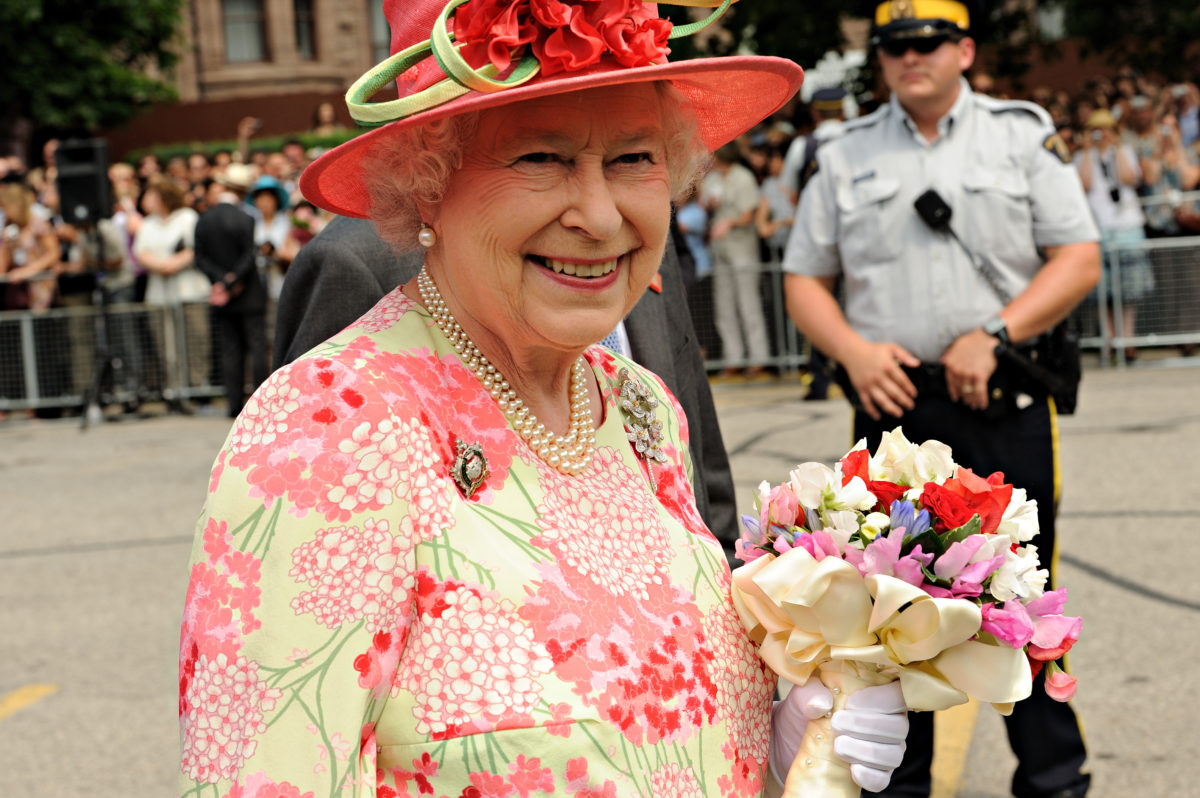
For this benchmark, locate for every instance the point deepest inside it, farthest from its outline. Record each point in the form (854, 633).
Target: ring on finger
(968, 388)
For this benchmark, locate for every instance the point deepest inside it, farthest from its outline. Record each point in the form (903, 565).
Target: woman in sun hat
(454, 550)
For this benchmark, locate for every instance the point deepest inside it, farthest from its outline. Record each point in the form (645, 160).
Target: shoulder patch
(1054, 145)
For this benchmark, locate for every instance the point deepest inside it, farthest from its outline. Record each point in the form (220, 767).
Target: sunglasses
(924, 45)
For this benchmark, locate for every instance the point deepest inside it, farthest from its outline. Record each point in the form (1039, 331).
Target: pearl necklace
(570, 453)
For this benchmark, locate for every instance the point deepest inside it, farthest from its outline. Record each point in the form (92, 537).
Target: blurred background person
(730, 193)
(272, 231)
(165, 247)
(1111, 176)
(227, 254)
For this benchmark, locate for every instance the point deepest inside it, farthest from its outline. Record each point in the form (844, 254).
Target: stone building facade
(272, 59)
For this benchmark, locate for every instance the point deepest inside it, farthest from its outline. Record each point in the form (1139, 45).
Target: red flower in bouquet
(857, 464)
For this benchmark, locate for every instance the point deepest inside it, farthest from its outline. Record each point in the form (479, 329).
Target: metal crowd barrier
(1166, 318)
(50, 359)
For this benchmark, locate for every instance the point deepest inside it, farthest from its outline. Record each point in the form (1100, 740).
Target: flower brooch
(642, 426)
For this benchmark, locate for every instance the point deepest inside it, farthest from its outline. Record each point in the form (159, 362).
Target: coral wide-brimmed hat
(455, 56)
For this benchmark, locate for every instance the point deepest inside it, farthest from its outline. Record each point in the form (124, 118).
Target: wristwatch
(995, 326)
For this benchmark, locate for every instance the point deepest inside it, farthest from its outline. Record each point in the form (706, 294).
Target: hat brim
(728, 96)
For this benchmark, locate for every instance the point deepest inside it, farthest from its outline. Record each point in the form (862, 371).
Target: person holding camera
(962, 235)
(1111, 174)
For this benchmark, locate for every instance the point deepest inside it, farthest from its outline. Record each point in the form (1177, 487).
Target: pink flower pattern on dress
(228, 704)
(223, 593)
(645, 664)
(611, 497)
(385, 314)
(384, 462)
(358, 575)
(457, 627)
(454, 404)
(258, 785)
(465, 679)
(744, 693)
(674, 781)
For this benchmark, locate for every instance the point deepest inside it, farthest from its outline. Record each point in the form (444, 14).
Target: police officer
(926, 307)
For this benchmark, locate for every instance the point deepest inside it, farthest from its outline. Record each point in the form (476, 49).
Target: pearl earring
(426, 238)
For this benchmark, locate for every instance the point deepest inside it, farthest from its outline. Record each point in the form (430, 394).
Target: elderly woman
(454, 550)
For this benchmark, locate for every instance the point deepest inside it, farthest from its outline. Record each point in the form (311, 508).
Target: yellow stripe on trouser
(22, 697)
(1054, 554)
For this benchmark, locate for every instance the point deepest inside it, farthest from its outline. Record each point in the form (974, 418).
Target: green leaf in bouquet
(959, 534)
(933, 579)
(929, 541)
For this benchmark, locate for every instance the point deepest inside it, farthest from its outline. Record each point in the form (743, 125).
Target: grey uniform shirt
(1010, 192)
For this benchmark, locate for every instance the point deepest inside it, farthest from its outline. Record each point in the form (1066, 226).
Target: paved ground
(95, 529)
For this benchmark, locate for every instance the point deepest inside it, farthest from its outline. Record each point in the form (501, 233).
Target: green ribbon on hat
(462, 76)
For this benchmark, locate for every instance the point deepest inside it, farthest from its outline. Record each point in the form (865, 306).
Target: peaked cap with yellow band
(909, 19)
(451, 57)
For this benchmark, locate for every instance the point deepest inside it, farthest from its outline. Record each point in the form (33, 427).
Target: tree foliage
(1151, 35)
(801, 31)
(76, 67)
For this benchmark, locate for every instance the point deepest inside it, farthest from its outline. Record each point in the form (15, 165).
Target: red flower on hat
(564, 36)
(493, 29)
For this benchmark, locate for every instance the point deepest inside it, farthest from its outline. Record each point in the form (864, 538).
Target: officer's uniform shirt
(1011, 193)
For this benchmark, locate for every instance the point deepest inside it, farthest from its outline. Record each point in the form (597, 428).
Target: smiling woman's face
(557, 220)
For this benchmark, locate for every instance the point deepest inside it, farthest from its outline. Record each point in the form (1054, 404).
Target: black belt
(1006, 383)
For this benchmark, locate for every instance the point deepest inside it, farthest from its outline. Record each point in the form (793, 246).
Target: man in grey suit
(345, 270)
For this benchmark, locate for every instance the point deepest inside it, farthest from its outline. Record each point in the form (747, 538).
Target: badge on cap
(1054, 145)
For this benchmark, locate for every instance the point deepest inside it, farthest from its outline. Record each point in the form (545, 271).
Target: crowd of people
(1135, 141)
(47, 261)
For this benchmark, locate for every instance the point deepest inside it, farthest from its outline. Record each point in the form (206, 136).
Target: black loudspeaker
(84, 191)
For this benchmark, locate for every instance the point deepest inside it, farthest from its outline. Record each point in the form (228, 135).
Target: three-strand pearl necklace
(570, 453)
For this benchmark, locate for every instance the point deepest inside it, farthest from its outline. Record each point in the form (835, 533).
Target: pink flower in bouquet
(778, 506)
(1040, 625)
(1060, 685)
(1054, 633)
(1009, 623)
(883, 556)
(967, 564)
(819, 544)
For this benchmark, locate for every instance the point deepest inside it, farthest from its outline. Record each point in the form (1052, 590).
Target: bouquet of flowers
(898, 565)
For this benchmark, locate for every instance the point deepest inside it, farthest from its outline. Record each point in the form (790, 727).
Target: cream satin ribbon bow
(805, 612)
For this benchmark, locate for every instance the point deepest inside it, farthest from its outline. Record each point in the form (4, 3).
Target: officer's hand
(876, 373)
(970, 362)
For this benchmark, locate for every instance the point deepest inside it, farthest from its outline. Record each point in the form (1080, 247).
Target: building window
(381, 35)
(306, 32)
(245, 30)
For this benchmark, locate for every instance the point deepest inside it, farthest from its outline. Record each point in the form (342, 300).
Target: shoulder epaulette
(870, 119)
(1001, 106)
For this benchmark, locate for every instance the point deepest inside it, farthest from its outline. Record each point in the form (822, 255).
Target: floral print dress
(355, 626)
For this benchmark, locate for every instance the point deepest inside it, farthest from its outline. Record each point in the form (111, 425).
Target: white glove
(869, 734)
(789, 719)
